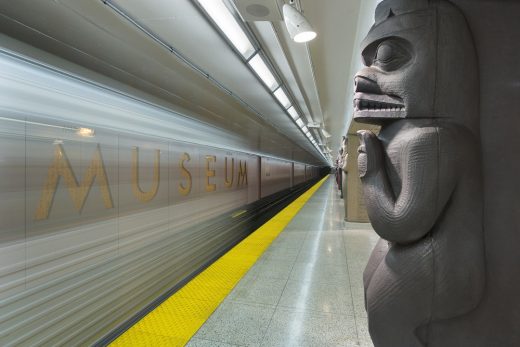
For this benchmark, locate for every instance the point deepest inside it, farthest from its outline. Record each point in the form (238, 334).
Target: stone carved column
(421, 175)
(344, 168)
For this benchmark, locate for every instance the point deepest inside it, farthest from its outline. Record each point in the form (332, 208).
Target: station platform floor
(305, 288)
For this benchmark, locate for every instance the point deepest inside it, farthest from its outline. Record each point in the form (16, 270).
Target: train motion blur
(103, 201)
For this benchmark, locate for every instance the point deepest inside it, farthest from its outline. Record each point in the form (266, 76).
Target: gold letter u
(136, 189)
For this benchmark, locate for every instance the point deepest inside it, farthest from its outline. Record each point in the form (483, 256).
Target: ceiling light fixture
(218, 11)
(282, 97)
(260, 67)
(223, 15)
(325, 133)
(293, 113)
(297, 25)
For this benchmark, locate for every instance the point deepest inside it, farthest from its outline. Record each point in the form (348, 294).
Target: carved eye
(390, 55)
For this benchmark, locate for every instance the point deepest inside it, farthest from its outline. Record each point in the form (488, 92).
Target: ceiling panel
(331, 54)
(99, 39)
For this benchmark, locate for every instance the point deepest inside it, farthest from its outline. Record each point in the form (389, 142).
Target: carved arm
(426, 185)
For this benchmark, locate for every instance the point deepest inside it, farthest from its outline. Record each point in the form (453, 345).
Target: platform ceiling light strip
(282, 97)
(292, 112)
(181, 57)
(260, 67)
(237, 35)
(229, 26)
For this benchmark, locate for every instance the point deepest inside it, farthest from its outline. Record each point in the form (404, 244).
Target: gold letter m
(60, 167)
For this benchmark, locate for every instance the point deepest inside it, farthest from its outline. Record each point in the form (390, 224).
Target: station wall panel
(276, 175)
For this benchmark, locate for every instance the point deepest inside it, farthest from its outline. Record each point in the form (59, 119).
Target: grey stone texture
(496, 321)
(432, 280)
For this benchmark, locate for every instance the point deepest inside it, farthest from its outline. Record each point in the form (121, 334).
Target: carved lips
(371, 104)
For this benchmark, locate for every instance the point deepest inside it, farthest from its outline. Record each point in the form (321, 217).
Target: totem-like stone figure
(339, 172)
(344, 164)
(421, 175)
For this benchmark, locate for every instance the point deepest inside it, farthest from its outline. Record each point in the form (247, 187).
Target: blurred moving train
(106, 201)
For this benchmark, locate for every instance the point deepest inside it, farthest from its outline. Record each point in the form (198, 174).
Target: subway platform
(297, 282)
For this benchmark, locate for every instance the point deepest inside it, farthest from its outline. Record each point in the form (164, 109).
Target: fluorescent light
(305, 129)
(293, 113)
(282, 97)
(258, 64)
(220, 14)
(309, 135)
(299, 122)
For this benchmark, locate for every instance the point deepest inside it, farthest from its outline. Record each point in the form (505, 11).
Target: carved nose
(366, 85)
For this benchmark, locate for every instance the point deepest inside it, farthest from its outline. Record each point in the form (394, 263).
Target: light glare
(85, 132)
(305, 36)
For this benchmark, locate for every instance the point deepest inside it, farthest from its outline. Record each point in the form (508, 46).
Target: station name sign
(60, 169)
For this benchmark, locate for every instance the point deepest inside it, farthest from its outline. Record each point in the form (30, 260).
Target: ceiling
(209, 81)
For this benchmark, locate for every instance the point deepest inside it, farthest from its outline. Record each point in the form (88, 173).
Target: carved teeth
(371, 105)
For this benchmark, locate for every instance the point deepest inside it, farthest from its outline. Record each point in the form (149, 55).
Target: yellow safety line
(177, 319)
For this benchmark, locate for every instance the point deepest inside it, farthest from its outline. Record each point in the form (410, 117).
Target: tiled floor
(307, 288)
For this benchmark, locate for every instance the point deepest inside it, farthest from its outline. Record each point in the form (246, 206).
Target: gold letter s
(185, 190)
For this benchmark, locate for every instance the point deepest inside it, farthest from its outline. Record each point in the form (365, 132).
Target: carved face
(418, 55)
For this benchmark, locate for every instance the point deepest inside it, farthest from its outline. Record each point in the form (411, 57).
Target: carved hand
(370, 157)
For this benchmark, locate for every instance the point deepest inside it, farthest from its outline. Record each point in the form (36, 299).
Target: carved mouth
(377, 103)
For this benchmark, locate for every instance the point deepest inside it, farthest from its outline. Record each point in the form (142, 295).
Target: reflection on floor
(307, 288)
